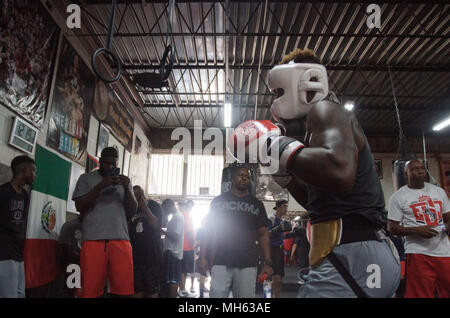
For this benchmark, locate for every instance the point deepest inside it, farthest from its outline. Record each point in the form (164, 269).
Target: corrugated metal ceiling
(413, 42)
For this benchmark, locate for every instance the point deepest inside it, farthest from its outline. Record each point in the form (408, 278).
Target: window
(204, 175)
(166, 174)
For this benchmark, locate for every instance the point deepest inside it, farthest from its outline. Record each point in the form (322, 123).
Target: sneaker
(183, 293)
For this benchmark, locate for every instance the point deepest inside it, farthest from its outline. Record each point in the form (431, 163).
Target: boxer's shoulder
(326, 114)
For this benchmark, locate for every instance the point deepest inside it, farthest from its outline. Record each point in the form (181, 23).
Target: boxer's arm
(330, 161)
(298, 190)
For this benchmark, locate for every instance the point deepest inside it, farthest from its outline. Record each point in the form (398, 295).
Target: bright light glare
(227, 115)
(199, 211)
(349, 106)
(441, 125)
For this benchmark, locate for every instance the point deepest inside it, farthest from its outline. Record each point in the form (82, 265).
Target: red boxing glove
(248, 143)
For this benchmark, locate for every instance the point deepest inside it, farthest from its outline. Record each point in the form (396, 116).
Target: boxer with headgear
(332, 174)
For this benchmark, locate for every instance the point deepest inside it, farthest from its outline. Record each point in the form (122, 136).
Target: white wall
(139, 163)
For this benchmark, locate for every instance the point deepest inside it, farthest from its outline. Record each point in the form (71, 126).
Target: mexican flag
(46, 216)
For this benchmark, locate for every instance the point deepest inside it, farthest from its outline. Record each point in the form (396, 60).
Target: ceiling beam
(108, 2)
(339, 67)
(156, 92)
(357, 108)
(270, 34)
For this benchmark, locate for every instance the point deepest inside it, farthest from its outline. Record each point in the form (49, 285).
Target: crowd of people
(131, 246)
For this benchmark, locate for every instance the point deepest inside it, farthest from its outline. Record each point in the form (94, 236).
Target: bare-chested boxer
(332, 174)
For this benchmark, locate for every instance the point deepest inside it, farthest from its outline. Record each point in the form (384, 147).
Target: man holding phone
(105, 200)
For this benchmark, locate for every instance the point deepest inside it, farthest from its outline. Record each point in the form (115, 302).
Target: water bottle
(267, 289)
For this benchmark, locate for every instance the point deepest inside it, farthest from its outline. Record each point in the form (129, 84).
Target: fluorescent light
(441, 125)
(349, 106)
(227, 115)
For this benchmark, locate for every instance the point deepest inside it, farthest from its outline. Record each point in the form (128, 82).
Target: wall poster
(28, 46)
(71, 106)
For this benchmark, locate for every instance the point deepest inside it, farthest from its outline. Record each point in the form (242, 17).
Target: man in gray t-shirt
(105, 200)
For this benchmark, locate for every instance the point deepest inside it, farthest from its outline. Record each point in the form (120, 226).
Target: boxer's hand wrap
(288, 148)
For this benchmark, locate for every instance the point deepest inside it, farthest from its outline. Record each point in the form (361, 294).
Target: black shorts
(277, 255)
(172, 269)
(146, 279)
(188, 262)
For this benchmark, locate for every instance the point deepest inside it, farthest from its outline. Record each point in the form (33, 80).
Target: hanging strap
(347, 276)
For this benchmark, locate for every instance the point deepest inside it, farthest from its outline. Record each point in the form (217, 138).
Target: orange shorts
(112, 259)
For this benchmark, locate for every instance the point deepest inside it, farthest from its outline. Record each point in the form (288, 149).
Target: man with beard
(105, 201)
(235, 222)
(420, 211)
(14, 206)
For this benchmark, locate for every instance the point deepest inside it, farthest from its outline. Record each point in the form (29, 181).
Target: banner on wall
(445, 175)
(71, 106)
(46, 217)
(28, 45)
(110, 111)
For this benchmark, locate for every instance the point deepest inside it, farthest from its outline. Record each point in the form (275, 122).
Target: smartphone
(116, 171)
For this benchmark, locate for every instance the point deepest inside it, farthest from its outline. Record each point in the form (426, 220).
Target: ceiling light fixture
(349, 106)
(441, 125)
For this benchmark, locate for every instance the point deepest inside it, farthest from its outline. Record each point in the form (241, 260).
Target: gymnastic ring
(165, 70)
(114, 57)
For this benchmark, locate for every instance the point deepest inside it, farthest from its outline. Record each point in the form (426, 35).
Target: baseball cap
(280, 203)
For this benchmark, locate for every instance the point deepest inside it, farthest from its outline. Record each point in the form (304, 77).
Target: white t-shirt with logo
(419, 207)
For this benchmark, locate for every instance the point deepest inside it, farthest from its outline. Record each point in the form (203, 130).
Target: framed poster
(102, 140)
(112, 113)
(379, 168)
(71, 106)
(28, 46)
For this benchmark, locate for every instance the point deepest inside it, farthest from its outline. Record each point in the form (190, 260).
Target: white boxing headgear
(295, 80)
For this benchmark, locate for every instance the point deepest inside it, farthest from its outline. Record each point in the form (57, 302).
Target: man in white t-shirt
(173, 249)
(420, 211)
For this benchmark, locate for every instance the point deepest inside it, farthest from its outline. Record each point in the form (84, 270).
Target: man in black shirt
(235, 222)
(145, 236)
(14, 204)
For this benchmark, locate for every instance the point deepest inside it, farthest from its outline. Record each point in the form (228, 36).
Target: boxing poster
(28, 45)
(110, 112)
(445, 175)
(71, 106)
